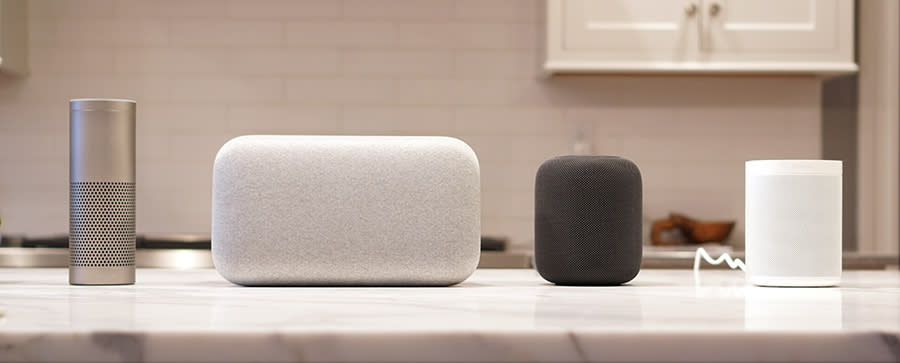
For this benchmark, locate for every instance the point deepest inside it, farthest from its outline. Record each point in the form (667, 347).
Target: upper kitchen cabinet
(700, 36)
(14, 36)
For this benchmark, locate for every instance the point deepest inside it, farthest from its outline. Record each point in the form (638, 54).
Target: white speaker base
(777, 281)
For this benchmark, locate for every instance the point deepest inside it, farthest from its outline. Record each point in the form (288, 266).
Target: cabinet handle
(690, 10)
(706, 23)
(715, 9)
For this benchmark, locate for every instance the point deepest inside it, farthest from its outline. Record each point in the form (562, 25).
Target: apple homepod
(587, 228)
(345, 210)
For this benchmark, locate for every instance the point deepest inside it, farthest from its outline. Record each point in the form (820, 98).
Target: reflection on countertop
(192, 251)
(180, 315)
(192, 258)
(186, 251)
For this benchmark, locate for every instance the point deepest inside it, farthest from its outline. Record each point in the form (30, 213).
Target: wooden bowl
(703, 232)
(664, 232)
(710, 232)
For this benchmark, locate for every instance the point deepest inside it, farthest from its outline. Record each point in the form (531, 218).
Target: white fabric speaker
(793, 222)
(346, 210)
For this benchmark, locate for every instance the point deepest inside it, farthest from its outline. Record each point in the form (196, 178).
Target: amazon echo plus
(101, 191)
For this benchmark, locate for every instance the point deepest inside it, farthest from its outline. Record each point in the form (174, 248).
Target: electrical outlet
(581, 148)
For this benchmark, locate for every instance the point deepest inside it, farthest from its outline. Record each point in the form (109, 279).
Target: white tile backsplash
(285, 62)
(340, 33)
(283, 9)
(169, 8)
(283, 119)
(226, 33)
(499, 35)
(71, 60)
(70, 9)
(394, 120)
(172, 118)
(489, 64)
(92, 32)
(508, 121)
(227, 88)
(397, 9)
(498, 10)
(398, 63)
(204, 71)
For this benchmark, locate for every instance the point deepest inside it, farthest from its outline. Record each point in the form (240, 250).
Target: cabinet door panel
(771, 25)
(645, 25)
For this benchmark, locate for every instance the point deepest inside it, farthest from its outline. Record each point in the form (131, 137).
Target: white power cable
(733, 263)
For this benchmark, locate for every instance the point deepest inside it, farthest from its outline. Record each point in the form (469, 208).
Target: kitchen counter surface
(496, 315)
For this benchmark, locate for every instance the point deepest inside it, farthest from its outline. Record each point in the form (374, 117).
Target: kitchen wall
(840, 133)
(204, 71)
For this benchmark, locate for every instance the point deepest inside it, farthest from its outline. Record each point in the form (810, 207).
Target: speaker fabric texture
(346, 210)
(587, 228)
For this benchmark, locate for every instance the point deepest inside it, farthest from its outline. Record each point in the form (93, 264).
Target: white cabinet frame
(713, 40)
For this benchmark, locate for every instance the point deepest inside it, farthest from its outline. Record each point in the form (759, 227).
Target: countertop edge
(383, 345)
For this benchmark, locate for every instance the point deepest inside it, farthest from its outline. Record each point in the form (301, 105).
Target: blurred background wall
(204, 71)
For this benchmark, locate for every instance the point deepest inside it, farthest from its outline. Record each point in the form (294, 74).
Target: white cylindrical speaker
(793, 222)
(102, 194)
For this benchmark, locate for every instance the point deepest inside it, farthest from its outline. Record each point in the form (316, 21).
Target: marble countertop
(496, 315)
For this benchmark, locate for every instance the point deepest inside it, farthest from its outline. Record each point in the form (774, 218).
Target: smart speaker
(101, 191)
(587, 227)
(345, 210)
(793, 222)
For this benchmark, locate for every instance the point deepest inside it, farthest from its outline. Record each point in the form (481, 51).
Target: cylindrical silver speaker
(102, 195)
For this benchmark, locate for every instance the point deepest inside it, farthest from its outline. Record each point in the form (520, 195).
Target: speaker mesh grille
(588, 220)
(101, 224)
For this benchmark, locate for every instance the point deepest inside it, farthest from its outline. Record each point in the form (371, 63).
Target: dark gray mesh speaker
(587, 227)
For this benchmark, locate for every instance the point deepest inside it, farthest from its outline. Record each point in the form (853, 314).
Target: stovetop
(180, 241)
(189, 251)
(177, 241)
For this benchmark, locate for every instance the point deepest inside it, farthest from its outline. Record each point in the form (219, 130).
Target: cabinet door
(695, 36)
(635, 24)
(807, 31)
(619, 33)
(14, 37)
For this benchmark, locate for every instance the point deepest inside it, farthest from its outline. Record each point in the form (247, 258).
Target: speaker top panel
(346, 210)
